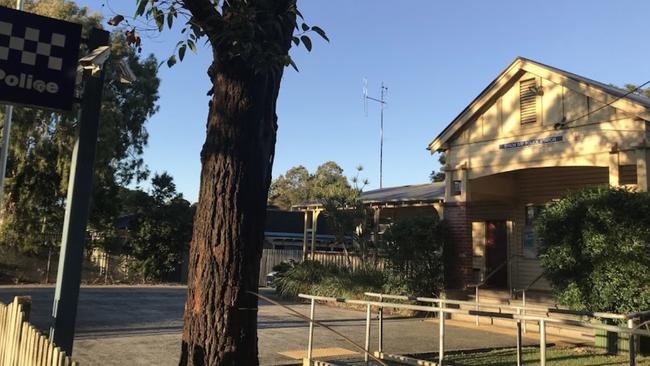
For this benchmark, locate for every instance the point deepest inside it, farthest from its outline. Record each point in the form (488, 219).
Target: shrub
(595, 249)
(315, 278)
(414, 250)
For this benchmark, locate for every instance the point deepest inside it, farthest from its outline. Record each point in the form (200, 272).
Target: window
(457, 187)
(528, 101)
(532, 211)
(627, 174)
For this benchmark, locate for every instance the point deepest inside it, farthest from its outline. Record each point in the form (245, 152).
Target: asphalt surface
(143, 326)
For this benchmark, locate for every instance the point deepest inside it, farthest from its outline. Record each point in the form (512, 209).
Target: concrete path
(143, 325)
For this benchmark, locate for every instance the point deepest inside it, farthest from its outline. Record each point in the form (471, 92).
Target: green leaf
(171, 61)
(142, 4)
(170, 19)
(192, 45)
(296, 40)
(181, 52)
(320, 32)
(293, 64)
(305, 27)
(307, 42)
(159, 17)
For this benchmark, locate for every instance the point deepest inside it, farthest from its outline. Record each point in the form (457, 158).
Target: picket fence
(21, 344)
(273, 257)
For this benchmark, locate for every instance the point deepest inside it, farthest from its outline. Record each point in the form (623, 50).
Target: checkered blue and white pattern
(25, 45)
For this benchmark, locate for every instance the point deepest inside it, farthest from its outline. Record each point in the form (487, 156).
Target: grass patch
(554, 357)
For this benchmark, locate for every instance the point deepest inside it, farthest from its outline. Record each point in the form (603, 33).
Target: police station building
(533, 134)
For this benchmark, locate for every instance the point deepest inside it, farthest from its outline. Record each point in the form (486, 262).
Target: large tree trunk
(220, 321)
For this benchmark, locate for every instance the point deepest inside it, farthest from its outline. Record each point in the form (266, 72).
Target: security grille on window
(528, 101)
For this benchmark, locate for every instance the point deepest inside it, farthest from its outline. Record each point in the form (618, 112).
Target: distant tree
(350, 220)
(298, 186)
(291, 188)
(42, 142)
(439, 176)
(640, 91)
(595, 249)
(414, 250)
(162, 230)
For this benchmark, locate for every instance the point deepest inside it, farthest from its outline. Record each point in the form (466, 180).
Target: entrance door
(496, 253)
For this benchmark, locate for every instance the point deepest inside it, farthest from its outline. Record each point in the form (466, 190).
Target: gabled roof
(638, 105)
(430, 192)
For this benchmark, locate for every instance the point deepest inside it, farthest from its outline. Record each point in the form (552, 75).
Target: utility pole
(382, 103)
(66, 295)
(6, 129)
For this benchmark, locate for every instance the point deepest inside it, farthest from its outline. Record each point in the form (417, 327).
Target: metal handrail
(551, 310)
(441, 310)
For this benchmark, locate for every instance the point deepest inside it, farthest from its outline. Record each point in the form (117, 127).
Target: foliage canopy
(595, 249)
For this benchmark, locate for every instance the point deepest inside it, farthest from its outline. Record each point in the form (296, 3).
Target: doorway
(496, 253)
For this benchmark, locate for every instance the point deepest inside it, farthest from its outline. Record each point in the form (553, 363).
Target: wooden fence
(272, 257)
(21, 344)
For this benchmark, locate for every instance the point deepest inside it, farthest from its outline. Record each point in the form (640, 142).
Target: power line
(565, 123)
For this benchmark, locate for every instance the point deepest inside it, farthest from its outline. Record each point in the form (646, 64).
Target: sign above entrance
(542, 141)
(38, 59)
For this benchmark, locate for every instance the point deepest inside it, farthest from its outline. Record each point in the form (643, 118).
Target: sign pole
(6, 129)
(66, 296)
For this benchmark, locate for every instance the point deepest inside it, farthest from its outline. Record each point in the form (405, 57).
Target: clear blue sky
(434, 56)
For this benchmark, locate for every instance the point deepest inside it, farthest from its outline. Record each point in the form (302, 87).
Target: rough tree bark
(220, 321)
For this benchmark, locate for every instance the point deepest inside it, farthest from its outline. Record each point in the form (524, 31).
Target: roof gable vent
(528, 101)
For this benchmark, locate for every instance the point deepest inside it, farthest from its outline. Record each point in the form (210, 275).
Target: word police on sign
(38, 59)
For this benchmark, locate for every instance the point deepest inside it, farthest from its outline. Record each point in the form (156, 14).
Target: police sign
(38, 59)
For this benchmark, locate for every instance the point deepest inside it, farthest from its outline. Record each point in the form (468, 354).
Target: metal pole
(523, 303)
(476, 299)
(441, 343)
(368, 314)
(542, 342)
(381, 327)
(310, 344)
(6, 130)
(519, 340)
(66, 296)
(632, 343)
(381, 138)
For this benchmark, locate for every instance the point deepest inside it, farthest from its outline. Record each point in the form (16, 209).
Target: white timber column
(314, 227)
(614, 179)
(449, 184)
(642, 169)
(464, 183)
(304, 239)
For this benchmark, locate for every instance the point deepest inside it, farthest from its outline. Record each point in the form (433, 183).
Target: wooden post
(380, 346)
(304, 239)
(519, 340)
(542, 342)
(632, 343)
(368, 315)
(310, 344)
(441, 339)
(477, 308)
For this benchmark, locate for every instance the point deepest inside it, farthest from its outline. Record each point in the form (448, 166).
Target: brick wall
(459, 271)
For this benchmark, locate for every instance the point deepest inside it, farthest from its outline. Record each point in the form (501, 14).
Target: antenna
(382, 103)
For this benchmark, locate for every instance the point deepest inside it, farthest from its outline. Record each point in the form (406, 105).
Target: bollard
(476, 298)
(311, 330)
(542, 342)
(632, 343)
(368, 314)
(441, 344)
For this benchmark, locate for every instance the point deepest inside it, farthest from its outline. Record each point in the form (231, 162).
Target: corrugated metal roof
(411, 193)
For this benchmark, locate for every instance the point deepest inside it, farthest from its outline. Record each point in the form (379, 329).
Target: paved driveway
(143, 325)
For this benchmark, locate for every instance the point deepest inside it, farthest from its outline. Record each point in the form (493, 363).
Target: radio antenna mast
(382, 103)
